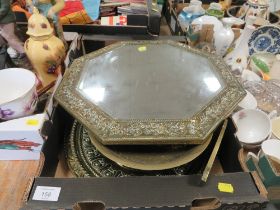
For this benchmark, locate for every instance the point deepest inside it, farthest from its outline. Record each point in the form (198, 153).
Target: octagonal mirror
(149, 92)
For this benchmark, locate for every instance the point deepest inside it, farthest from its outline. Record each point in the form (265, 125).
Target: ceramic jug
(44, 50)
(224, 37)
(188, 14)
(237, 59)
(258, 8)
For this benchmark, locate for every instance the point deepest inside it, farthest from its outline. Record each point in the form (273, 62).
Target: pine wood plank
(15, 180)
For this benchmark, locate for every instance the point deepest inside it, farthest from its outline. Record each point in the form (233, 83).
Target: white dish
(18, 94)
(265, 39)
(253, 126)
(271, 147)
(249, 102)
(248, 75)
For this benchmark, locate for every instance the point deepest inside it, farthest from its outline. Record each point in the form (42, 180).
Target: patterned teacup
(18, 96)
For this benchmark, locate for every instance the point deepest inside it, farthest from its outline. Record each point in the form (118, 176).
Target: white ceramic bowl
(253, 126)
(249, 102)
(250, 76)
(271, 147)
(18, 96)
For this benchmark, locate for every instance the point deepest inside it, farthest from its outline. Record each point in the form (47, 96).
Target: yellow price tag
(225, 187)
(32, 122)
(142, 48)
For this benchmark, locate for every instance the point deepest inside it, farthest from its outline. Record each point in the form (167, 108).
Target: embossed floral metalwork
(192, 130)
(85, 160)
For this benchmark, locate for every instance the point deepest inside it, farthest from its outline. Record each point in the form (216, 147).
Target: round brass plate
(84, 159)
(150, 158)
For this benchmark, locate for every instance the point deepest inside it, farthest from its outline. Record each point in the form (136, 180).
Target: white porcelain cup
(253, 125)
(250, 76)
(271, 147)
(249, 102)
(276, 127)
(18, 96)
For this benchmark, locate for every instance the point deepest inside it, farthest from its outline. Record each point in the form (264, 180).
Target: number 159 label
(45, 193)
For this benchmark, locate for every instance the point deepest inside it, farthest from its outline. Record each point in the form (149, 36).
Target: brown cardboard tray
(146, 192)
(172, 192)
(142, 192)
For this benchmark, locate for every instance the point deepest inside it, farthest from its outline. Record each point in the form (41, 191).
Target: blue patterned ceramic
(265, 39)
(262, 43)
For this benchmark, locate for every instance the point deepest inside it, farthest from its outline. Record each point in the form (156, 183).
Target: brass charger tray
(149, 92)
(150, 158)
(84, 160)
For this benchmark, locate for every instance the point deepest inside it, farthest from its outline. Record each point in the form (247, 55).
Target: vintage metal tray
(150, 158)
(149, 92)
(85, 160)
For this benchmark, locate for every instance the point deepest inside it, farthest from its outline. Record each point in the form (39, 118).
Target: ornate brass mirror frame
(193, 130)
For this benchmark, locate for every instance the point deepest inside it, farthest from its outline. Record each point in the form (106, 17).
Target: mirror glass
(152, 81)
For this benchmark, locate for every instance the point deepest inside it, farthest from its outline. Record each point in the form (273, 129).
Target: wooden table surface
(16, 177)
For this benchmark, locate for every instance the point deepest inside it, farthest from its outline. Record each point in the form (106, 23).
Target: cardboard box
(114, 20)
(239, 190)
(21, 139)
(230, 189)
(170, 192)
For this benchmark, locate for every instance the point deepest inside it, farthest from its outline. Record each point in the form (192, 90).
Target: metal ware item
(211, 160)
(84, 160)
(149, 92)
(150, 158)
